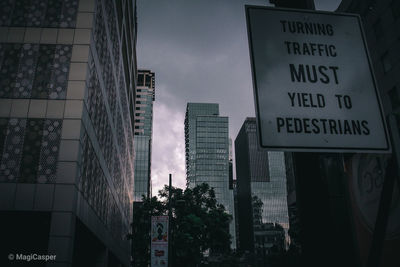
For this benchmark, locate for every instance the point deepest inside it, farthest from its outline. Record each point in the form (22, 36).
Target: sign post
(315, 91)
(313, 82)
(159, 241)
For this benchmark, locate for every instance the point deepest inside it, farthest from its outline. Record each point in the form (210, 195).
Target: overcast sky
(199, 52)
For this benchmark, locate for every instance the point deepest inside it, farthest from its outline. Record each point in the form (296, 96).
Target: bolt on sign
(159, 241)
(314, 86)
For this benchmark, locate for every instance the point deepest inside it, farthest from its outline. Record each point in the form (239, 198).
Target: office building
(207, 153)
(67, 79)
(261, 193)
(143, 120)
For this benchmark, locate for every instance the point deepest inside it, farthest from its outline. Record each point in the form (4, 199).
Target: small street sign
(159, 241)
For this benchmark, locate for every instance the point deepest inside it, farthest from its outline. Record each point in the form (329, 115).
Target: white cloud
(168, 148)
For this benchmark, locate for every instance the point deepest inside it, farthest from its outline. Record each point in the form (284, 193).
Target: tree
(142, 212)
(198, 225)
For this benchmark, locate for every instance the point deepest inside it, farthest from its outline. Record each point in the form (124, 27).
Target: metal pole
(169, 221)
(320, 198)
(394, 133)
(378, 238)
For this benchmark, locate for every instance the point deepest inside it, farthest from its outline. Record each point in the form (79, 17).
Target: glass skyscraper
(261, 189)
(145, 95)
(207, 153)
(67, 79)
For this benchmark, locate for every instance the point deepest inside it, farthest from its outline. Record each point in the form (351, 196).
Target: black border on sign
(387, 149)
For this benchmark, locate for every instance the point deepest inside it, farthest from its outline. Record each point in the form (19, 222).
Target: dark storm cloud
(198, 50)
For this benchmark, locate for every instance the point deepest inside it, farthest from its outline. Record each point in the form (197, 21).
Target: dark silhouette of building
(67, 80)
(261, 193)
(294, 224)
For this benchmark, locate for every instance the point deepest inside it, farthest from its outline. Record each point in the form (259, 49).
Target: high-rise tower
(145, 96)
(207, 153)
(67, 79)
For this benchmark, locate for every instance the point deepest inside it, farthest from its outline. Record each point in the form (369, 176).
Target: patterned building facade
(207, 154)
(145, 95)
(67, 79)
(261, 191)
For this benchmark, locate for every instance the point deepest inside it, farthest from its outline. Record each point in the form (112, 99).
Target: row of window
(211, 150)
(117, 161)
(212, 130)
(97, 192)
(211, 125)
(211, 145)
(39, 13)
(212, 156)
(29, 150)
(211, 162)
(223, 140)
(145, 80)
(34, 71)
(212, 167)
(212, 134)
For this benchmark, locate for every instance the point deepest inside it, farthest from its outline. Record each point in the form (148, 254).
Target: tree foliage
(142, 212)
(198, 224)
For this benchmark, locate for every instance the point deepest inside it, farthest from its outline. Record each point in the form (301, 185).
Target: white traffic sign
(314, 86)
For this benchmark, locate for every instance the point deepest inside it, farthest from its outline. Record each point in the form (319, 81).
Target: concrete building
(67, 79)
(143, 119)
(261, 191)
(207, 154)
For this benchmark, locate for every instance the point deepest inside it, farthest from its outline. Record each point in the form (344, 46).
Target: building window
(394, 98)
(148, 81)
(140, 80)
(387, 66)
